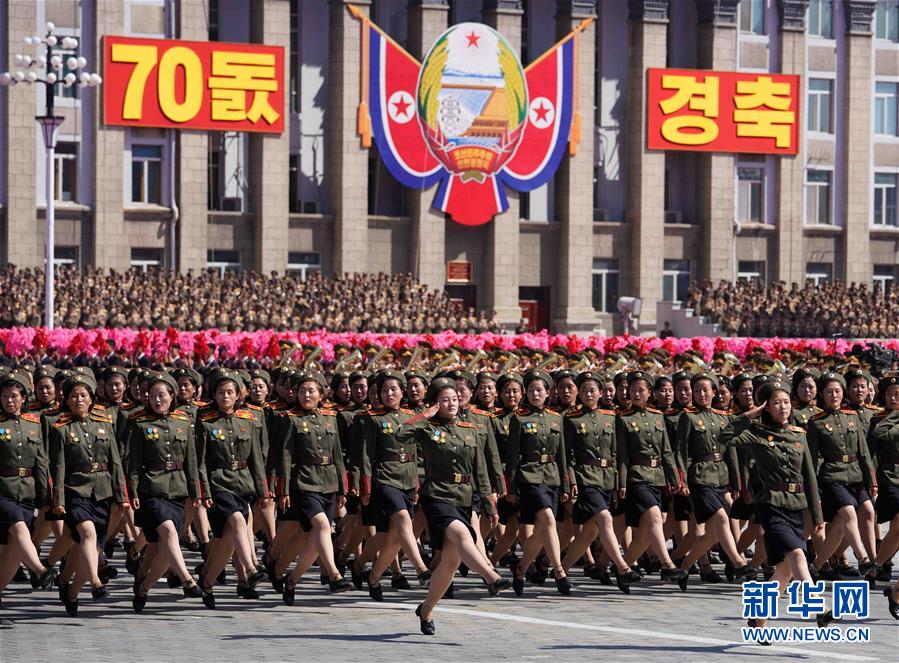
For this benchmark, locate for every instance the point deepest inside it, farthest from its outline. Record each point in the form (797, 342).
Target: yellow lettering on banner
(755, 121)
(697, 96)
(187, 110)
(233, 75)
(144, 58)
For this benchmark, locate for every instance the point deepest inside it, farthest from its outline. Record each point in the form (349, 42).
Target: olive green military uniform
(483, 420)
(700, 456)
(384, 460)
(644, 453)
(229, 452)
(591, 447)
(536, 453)
(883, 441)
(162, 458)
(836, 440)
(311, 458)
(802, 415)
(24, 472)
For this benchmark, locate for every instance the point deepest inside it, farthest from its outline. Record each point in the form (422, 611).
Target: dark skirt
(783, 530)
(12, 512)
(641, 497)
(223, 505)
(304, 506)
(740, 510)
(388, 501)
(534, 498)
(477, 503)
(82, 509)
(352, 504)
(154, 511)
(707, 500)
(887, 503)
(440, 514)
(369, 513)
(681, 504)
(834, 496)
(590, 501)
(506, 510)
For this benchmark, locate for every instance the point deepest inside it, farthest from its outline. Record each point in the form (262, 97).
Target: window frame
(303, 269)
(676, 274)
(816, 277)
(887, 282)
(880, 11)
(816, 32)
(751, 6)
(884, 98)
(876, 190)
(761, 167)
(819, 96)
(60, 159)
(603, 269)
(215, 260)
(757, 274)
(831, 220)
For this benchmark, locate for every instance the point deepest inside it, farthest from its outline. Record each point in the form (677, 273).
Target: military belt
(845, 458)
(707, 458)
(167, 466)
(316, 460)
(396, 457)
(594, 462)
(21, 472)
(232, 465)
(539, 458)
(90, 468)
(451, 478)
(647, 462)
(787, 487)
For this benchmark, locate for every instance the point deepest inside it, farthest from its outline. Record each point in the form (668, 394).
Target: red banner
(193, 84)
(722, 111)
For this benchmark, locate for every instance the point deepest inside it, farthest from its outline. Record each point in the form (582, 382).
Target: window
(750, 194)
(146, 174)
(752, 16)
(213, 20)
(884, 275)
(65, 255)
(226, 172)
(817, 197)
(820, 94)
(675, 280)
(65, 172)
(820, 18)
(886, 108)
(146, 259)
(886, 20)
(70, 92)
(751, 270)
(294, 56)
(819, 272)
(885, 185)
(303, 264)
(605, 285)
(221, 261)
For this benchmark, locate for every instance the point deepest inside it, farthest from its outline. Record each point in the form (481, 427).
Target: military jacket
(162, 459)
(22, 450)
(699, 453)
(644, 449)
(883, 441)
(311, 457)
(536, 453)
(802, 415)
(229, 452)
(385, 460)
(84, 459)
(590, 443)
(483, 420)
(866, 413)
(783, 467)
(836, 440)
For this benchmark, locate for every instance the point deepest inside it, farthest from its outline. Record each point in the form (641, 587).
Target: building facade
(616, 220)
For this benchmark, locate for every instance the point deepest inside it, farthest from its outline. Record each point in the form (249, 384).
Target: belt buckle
(168, 466)
(544, 458)
(654, 462)
(326, 460)
(792, 488)
(457, 478)
(845, 458)
(23, 472)
(234, 465)
(95, 467)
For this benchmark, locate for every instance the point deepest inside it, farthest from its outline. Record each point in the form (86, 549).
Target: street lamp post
(52, 63)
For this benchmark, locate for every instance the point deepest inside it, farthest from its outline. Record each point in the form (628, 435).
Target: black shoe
(563, 585)
(278, 584)
(450, 592)
(138, 602)
(341, 566)
(338, 586)
(21, 575)
(672, 575)
(463, 570)
(885, 573)
(893, 605)
(222, 578)
(507, 559)
(255, 578)
(109, 548)
(424, 578)
(682, 582)
(828, 573)
(753, 624)
(399, 581)
(173, 581)
(323, 580)
(625, 580)
(427, 625)
(746, 573)
(824, 619)
(209, 599)
(71, 607)
(357, 576)
(288, 593)
(767, 572)
(44, 580)
(871, 577)
(192, 591)
(847, 571)
(194, 545)
(374, 590)
(247, 593)
(132, 564)
(107, 572)
(711, 577)
(497, 586)
(729, 571)
(100, 593)
(537, 576)
(269, 565)
(63, 591)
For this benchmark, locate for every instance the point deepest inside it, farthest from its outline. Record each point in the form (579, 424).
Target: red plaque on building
(458, 271)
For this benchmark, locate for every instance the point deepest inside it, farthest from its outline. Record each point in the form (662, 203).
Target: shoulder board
(102, 417)
(876, 408)
(257, 408)
(465, 424)
(522, 411)
(690, 409)
(498, 412)
(245, 414)
(576, 412)
(406, 410)
(796, 429)
(611, 413)
(846, 410)
(880, 415)
(32, 406)
(128, 406)
(200, 403)
(180, 416)
(33, 418)
(625, 412)
(478, 410)
(552, 412)
(653, 410)
(344, 408)
(208, 415)
(100, 406)
(723, 413)
(328, 412)
(62, 421)
(135, 415)
(141, 416)
(375, 411)
(821, 415)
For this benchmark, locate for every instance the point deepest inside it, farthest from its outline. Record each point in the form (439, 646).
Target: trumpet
(479, 356)
(307, 363)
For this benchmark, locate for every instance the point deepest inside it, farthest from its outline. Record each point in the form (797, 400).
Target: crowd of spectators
(92, 298)
(748, 308)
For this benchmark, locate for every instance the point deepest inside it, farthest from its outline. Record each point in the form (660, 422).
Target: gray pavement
(656, 622)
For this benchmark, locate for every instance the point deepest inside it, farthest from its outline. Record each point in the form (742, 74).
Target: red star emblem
(401, 106)
(542, 112)
(472, 39)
